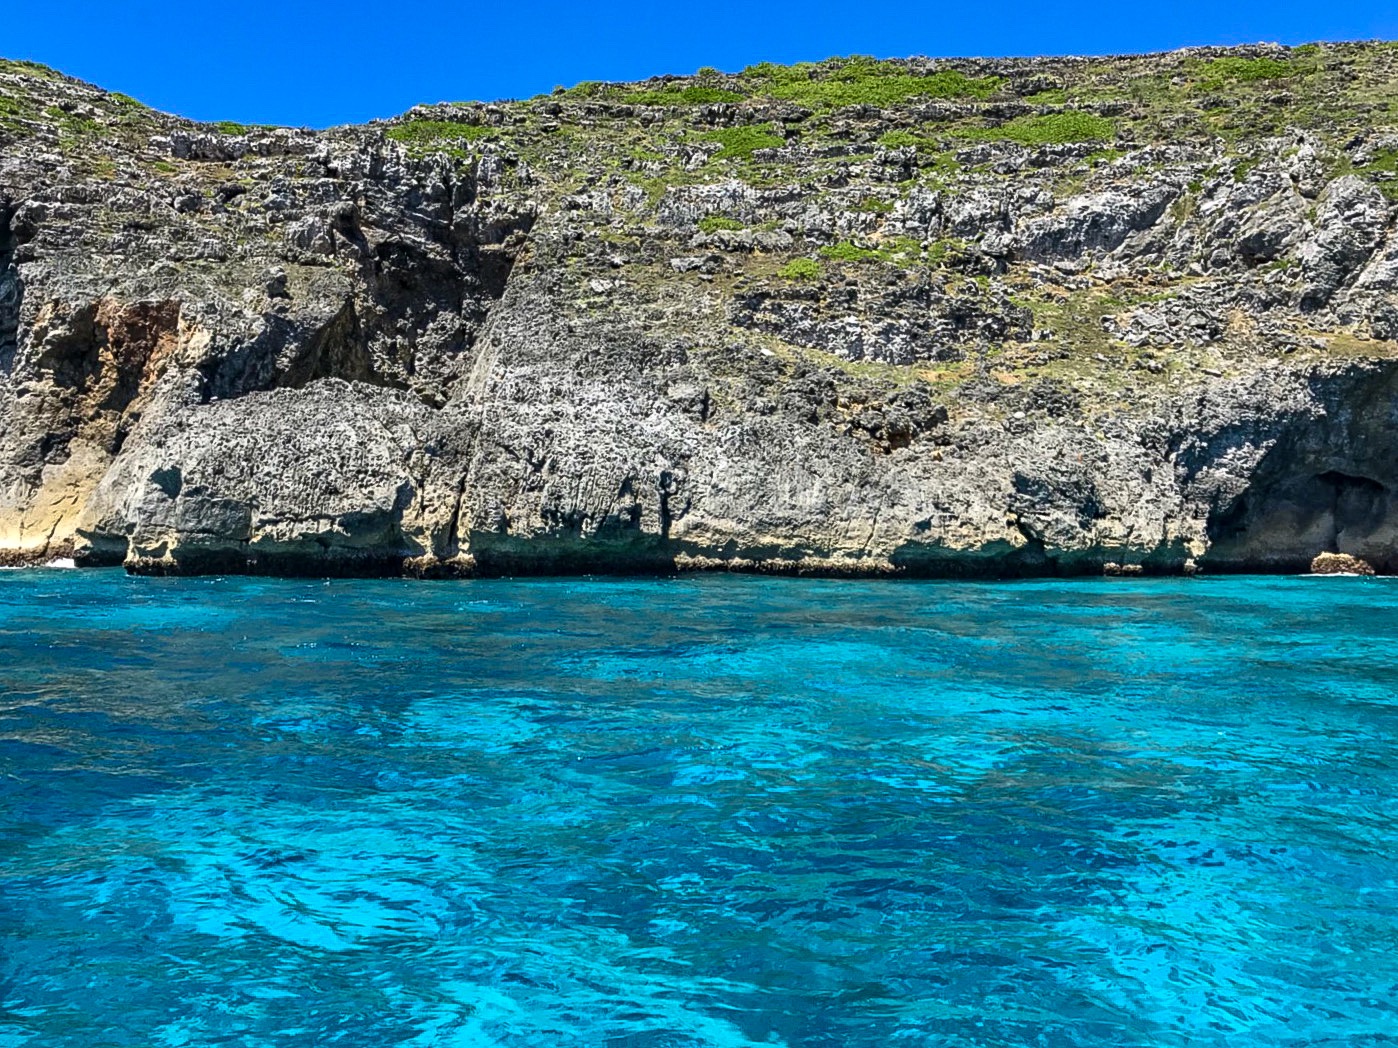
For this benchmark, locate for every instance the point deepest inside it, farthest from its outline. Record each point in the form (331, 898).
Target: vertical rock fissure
(11, 289)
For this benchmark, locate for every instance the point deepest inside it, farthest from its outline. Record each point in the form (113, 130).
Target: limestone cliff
(926, 317)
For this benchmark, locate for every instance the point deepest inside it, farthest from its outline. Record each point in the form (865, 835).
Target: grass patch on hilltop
(1220, 72)
(630, 94)
(693, 95)
(585, 90)
(859, 80)
(446, 135)
(27, 68)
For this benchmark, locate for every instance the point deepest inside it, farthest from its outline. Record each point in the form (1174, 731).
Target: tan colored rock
(1113, 569)
(1340, 564)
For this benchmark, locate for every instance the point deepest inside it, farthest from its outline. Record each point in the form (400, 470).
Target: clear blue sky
(322, 62)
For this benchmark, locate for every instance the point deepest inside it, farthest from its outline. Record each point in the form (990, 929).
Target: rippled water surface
(707, 811)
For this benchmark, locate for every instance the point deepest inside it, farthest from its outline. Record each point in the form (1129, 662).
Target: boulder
(1340, 564)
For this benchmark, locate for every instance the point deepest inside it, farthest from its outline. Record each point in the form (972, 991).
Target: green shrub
(848, 251)
(21, 65)
(1385, 163)
(801, 269)
(671, 95)
(70, 125)
(860, 80)
(229, 127)
(437, 133)
(742, 142)
(585, 89)
(779, 74)
(1233, 70)
(875, 205)
(864, 84)
(1243, 168)
(943, 250)
(1053, 129)
(682, 96)
(899, 140)
(713, 223)
(899, 249)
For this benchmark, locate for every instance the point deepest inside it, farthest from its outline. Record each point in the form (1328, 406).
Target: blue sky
(321, 62)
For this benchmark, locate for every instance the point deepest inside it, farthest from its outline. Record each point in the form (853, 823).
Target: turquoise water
(707, 811)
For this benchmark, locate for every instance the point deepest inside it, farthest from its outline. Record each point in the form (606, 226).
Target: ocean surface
(702, 811)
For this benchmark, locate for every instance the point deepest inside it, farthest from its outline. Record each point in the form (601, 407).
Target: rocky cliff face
(923, 317)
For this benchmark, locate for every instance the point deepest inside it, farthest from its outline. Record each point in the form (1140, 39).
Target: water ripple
(697, 812)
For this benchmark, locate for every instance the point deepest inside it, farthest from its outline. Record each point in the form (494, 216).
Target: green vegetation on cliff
(1051, 129)
(739, 143)
(425, 134)
(862, 81)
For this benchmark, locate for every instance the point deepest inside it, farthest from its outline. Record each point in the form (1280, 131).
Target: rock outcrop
(943, 318)
(1340, 564)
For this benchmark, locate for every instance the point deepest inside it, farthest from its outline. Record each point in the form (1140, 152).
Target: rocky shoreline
(925, 318)
(387, 566)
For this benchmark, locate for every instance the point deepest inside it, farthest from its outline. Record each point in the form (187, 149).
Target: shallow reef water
(713, 811)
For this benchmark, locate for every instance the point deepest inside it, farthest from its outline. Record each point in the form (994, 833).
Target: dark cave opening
(1282, 522)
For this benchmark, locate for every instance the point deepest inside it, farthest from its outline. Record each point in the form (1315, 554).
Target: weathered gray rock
(1350, 223)
(1096, 224)
(577, 337)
